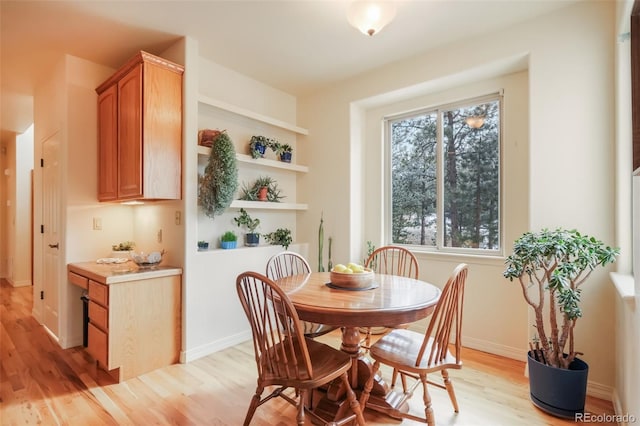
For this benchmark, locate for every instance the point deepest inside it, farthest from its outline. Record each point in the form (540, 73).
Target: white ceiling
(298, 46)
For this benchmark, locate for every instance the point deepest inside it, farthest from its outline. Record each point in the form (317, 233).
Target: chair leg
(450, 391)
(301, 402)
(428, 410)
(394, 378)
(364, 397)
(255, 402)
(353, 402)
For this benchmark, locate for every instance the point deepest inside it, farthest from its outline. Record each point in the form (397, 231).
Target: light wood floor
(43, 384)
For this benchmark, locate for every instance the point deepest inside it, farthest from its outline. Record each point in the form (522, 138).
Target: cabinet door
(162, 147)
(108, 144)
(97, 344)
(130, 134)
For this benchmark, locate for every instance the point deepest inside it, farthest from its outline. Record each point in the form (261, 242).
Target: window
(445, 177)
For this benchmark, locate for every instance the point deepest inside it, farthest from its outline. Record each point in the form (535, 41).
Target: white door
(51, 235)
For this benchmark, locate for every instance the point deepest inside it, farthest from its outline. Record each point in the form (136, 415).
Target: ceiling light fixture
(371, 16)
(475, 121)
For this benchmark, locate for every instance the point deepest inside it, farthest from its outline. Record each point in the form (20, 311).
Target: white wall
(21, 209)
(213, 317)
(570, 183)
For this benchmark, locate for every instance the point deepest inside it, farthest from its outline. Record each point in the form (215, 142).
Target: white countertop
(120, 272)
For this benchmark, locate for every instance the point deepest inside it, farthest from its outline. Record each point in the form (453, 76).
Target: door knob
(53, 245)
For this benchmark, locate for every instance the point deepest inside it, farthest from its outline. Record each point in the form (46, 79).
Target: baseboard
(617, 407)
(599, 390)
(21, 283)
(495, 348)
(215, 346)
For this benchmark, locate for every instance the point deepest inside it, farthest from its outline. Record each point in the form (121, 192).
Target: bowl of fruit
(351, 275)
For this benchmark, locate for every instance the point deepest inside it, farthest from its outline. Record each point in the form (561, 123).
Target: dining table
(388, 301)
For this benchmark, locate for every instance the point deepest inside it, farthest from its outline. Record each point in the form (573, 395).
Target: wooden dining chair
(289, 263)
(390, 260)
(416, 355)
(284, 357)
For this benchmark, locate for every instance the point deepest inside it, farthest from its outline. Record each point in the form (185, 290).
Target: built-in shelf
(264, 162)
(265, 205)
(250, 114)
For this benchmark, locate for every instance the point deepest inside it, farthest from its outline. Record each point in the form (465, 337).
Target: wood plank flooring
(43, 384)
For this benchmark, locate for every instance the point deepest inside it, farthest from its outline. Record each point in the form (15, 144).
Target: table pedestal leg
(333, 404)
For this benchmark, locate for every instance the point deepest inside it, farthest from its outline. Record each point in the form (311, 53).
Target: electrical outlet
(160, 235)
(178, 217)
(97, 224)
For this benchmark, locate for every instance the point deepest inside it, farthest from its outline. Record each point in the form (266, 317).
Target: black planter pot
(251, 240)
(557, 391)
(286, 157)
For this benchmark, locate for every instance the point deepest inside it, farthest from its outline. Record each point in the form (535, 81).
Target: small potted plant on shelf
(228, 240)
(251, 238)
(283, 151)
(203, 245)
(551, 267)
(122, 249)
(281, 237)
(258, 146)
(264, 188)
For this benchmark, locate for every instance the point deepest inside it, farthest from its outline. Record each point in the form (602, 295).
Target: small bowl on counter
(147, 260)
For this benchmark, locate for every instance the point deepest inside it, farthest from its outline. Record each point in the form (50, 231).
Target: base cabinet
(134, 326)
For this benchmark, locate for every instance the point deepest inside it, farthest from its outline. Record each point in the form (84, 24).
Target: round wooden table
(392, 300)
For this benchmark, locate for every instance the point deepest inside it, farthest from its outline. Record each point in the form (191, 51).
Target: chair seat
(400, 348)
(328, 364)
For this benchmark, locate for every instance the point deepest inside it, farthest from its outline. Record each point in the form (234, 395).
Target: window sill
(624, 284)
(475, 259)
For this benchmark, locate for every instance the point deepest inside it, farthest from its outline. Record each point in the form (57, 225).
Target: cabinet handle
(53, 245)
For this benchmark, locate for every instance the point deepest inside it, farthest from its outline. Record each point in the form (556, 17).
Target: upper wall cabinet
(140, 131)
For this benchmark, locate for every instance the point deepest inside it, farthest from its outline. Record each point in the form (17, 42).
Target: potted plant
(123, 249)
(203, 245)
(258, 146)
(251, 238)
(264, 188)
(281, 236)
(283, 151)
(218, 185)
(551, 267)
(228, 240)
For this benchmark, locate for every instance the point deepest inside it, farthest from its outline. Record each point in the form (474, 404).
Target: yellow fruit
(339, 268)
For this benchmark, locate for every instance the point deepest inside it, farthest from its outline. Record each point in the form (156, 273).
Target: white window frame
(440, 247)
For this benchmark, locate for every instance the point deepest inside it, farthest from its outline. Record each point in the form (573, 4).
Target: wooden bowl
(356, 280)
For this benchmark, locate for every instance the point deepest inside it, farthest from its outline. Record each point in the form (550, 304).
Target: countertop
(121, 272)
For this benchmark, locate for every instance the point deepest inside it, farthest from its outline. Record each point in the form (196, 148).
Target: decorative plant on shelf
(243, 219)
(264, 188)
(281, 236)
(258, 145)
(123, 246)
(283, 151)
(218, 185)
(228, 240)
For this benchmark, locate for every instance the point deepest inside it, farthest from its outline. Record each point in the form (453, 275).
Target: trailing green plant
(123, 246)
(245, 220)
(281, 236)
(229, 236)
(551, 267)
(250, 193)
(260, 140)
(278, 148)
(219, 183)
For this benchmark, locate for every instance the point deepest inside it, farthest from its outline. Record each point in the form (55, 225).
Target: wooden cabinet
(135, 322)
(140, 131)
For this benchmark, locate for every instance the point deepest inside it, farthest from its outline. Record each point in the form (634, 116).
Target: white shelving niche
(240, 124)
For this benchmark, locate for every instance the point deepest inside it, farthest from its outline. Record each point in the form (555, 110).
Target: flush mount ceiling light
(475, 121)
(371, 16)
